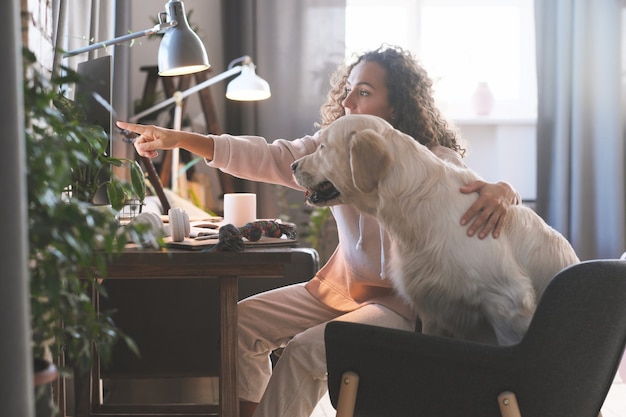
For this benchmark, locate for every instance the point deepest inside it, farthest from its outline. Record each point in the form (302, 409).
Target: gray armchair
(564, 366)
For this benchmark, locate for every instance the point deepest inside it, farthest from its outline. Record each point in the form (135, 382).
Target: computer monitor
(95, 77)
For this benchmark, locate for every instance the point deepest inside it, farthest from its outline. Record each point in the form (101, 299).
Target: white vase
(482, 99)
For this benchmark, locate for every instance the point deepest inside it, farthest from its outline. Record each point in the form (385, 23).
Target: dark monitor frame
(95, 77)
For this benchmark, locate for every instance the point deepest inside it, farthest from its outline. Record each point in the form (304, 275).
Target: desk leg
(229, 401)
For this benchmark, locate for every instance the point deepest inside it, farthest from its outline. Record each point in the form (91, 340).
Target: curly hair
(410, 94)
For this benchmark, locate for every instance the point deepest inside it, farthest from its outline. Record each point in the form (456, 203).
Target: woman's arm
(153, 138)
(252, 158)
(248, 157)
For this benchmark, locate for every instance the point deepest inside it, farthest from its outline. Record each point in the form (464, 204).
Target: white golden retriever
(481, 290)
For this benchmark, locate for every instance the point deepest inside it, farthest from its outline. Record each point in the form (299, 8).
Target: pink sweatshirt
(355, 273)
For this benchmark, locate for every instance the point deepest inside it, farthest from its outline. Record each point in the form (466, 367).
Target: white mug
(239, 208)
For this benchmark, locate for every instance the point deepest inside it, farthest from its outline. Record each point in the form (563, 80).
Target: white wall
(503, 150)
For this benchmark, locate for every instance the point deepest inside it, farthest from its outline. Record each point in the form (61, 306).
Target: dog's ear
(369, 159)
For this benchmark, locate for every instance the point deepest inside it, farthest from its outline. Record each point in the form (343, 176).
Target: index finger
(133, 127)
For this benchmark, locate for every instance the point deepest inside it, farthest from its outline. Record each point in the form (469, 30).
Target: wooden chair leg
(347, 394)
(508, 404)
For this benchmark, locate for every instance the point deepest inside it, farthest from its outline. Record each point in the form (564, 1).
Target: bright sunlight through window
(460, 43)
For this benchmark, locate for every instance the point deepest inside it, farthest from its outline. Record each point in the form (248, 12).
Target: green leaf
(138, 181)
(115, 193)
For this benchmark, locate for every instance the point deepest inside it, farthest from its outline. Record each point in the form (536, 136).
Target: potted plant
(71, 239)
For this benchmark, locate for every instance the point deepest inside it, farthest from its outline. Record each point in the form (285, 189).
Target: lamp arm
(184, 94)
(156, 29)
(243, 59)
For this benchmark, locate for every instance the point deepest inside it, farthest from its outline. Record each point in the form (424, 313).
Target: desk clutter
(180, 233)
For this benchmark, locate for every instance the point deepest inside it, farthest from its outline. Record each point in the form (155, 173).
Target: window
(460, 43)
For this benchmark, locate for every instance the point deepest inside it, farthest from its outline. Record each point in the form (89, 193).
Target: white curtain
(299, 43)
(580, 132)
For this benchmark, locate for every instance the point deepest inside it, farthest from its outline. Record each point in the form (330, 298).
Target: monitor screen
(95, 77)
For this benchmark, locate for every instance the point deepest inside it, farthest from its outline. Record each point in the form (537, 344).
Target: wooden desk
(226, 267)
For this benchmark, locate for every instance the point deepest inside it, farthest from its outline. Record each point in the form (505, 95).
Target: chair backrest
(576, 340)
(564, 366)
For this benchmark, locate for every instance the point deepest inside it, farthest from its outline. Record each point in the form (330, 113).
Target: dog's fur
(481, 290)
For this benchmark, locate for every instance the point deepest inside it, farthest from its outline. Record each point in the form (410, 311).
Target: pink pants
(292, 318)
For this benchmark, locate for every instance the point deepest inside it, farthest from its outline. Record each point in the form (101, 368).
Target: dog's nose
(294, 166)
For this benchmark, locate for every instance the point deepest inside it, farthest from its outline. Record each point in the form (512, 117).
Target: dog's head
(346, 167)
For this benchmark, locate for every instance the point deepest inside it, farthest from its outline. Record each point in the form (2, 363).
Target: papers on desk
(203, 229)
(205, 242)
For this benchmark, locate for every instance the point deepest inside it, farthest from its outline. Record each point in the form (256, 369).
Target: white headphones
(152, 219)
(155, 223)
(179, 224)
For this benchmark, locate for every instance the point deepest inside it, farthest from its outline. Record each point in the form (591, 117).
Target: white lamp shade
(248, 86)
(181, 50)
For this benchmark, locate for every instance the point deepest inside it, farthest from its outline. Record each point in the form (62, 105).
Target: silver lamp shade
(181, 51)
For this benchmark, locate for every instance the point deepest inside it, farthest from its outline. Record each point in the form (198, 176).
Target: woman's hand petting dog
(489, 210)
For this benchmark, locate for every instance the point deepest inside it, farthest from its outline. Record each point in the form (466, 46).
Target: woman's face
(367, 92)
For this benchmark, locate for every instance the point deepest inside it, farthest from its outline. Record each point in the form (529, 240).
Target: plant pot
(45, 374)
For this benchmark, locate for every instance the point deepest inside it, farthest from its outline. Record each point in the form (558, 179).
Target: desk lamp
(181, 51)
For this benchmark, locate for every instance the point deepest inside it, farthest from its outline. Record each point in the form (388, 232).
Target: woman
(352, 285)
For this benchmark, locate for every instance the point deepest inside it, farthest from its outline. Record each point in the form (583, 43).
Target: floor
(615, 403)
(324, 408)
